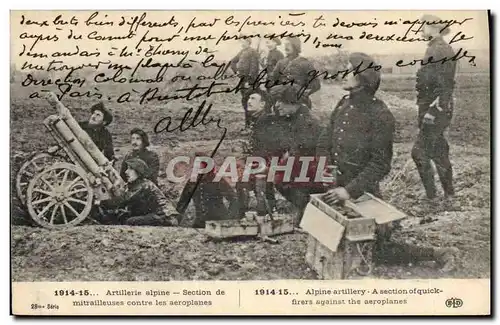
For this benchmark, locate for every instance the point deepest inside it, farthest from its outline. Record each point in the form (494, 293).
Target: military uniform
(142, 203)
(146, 205)
(272, 59)
(296, 134)
(359, 141)
(209, 201)
(246, 65)
(297, 69)
(274, 135)
(433, 81)
(101, 138)
(149, 157)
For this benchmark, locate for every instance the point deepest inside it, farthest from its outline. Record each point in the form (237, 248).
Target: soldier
(96, 129)
(140, 143)
(359, 136)
(246, 65)
(273, 55)
(435, 83)
(209, 199)
(291, 131)
(260, 113)
(257, 106)
(359, 141)
(294, 68)
(143, 202)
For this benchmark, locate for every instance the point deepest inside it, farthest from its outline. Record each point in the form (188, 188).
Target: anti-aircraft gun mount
(59, 188)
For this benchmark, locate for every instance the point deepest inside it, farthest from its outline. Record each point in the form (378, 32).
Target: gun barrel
(84, 138)
(78, 149)
(86, 142)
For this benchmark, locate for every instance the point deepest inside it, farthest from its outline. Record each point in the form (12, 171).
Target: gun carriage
(59, 188)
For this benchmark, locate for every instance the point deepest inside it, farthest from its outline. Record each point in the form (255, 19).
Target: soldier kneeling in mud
(142, 203)
(359, 141)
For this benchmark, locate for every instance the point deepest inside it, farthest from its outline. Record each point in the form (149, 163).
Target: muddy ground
(142, 253)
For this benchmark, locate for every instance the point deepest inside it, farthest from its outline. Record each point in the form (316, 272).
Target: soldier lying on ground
(143, 203)
(359, 141)
(209, 198)
(140, 143)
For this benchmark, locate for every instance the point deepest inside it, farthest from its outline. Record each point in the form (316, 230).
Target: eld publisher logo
(454, 303)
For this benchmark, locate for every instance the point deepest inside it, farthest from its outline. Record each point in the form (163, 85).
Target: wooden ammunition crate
(340, 239)
(251, 225)
(231, 228)
(358, 227)
(346, 262)
(340, 243)
(279, 224)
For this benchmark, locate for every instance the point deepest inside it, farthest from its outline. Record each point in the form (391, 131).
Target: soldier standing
(435, 83)
(143, 203)
(359, 141)
(292, 76)
(96, 129)
(273, 55)
(246, 65)
(140, 143)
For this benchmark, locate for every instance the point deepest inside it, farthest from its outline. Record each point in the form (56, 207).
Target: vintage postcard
(250, 162)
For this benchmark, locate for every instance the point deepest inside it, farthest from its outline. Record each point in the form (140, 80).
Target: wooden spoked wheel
(60, 196)
(31, 168)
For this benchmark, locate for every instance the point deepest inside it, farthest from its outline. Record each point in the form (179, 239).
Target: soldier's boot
(447, 182)
(426, 173)
(427, 178)
(173, 220)
(446, 258)
(445, 172)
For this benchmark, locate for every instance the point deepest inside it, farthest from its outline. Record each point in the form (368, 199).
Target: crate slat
(252, 225)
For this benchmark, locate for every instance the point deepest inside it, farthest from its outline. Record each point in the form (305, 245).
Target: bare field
(123, 253)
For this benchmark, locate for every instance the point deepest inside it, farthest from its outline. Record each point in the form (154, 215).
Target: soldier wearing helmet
(143, 203)
(359, 141)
